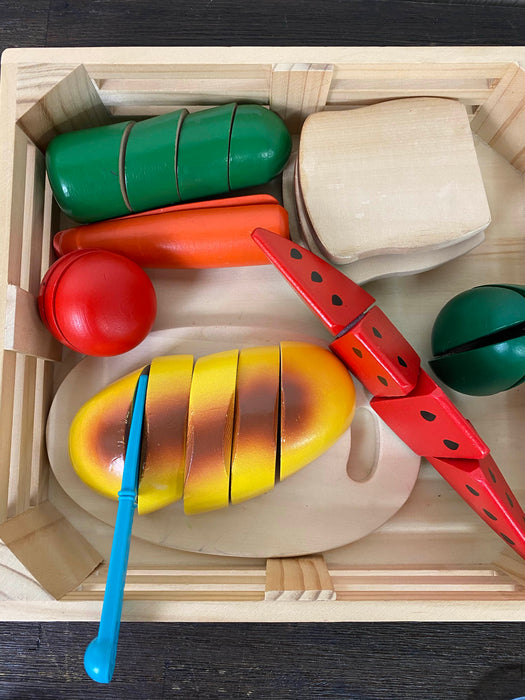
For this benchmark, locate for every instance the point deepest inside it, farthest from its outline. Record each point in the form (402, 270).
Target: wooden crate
(435, 559)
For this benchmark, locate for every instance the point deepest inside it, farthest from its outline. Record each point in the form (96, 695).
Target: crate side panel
(500, 121)
(50, 548)
(72, 103)
(471, 84)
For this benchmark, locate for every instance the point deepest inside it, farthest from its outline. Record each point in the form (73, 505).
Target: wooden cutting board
(318, 508)
(397, 177)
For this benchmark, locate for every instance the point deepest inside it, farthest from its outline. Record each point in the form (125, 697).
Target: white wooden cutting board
(316, 509)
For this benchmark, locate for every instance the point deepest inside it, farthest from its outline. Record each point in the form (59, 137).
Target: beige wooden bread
(396, 177)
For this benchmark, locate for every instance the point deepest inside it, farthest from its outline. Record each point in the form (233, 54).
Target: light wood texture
(299, 89)
(304, 578)
(433, 531)
(500, 120)
(374, 267)
(397, 177)
(25, 333)
(72, 103)
(320, 507)
(184, 583)
(52, 550)
(513, 566)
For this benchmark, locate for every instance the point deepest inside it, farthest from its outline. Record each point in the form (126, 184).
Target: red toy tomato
(97, 302)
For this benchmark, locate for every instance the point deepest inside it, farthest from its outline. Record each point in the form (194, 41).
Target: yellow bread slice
(255, 434)
(166, 413)
(209, 436)
(317, 403)
(97, 436)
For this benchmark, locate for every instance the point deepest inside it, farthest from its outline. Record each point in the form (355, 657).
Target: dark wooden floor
(352, 661)
(259, 22)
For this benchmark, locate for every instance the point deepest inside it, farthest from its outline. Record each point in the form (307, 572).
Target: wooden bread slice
(394, 177)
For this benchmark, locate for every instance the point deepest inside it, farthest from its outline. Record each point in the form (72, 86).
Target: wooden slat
(172, 92)
(22, 436)
(150, 109)
(72, 103)
(443, 597)
(452, 73)
(17, 207)
(359, 98)
(33, 234)
(299, 89)
(298, 578)
(7, 395)
(188, 596)
(106, 75)
(50, 224)
(39, 460)
(156, 583)
(56, 554)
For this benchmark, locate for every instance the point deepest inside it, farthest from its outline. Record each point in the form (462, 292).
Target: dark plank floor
(430, 661)
(256, 22)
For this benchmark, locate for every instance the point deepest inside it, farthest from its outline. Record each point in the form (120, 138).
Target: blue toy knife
(100, 655)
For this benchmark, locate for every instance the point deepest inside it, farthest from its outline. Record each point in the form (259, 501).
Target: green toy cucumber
(114, 170)
(84, 170)
(204, 146)
(151, 158)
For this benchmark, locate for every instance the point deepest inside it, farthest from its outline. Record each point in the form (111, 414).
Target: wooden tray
(434, 559)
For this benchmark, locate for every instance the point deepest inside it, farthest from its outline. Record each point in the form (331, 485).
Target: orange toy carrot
(198, 235)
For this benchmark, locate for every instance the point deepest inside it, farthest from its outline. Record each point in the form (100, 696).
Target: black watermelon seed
(401, 361)
(492, 517)
(507, 539)
(382, 380)
(492, 476)
(451, 444)
(357, 352)
(509, 499)
(316, 277)
(336, 301)
(376, 332)
(295, 253)
(427, 415)
(473, 491)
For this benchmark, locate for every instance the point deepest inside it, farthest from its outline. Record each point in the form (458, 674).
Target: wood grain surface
(356, 661)
(257, 661)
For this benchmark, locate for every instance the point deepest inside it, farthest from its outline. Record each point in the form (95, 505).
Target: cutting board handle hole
(364, 448)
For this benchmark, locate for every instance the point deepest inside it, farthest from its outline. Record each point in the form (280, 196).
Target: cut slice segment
(162, 474)
(378, 355)
(335, 298)
(481, 484)
(317, 403)
(256, 428)
(98, 434)
(210, 429)
(429, 423)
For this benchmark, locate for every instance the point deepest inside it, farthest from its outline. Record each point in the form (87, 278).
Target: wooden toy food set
(425, 553)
